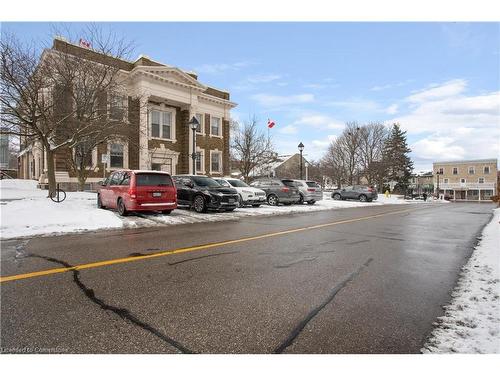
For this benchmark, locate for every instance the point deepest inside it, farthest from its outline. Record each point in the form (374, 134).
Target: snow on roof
(268, 167)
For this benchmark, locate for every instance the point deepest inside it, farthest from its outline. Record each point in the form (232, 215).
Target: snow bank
(26, 211)
(471, 323)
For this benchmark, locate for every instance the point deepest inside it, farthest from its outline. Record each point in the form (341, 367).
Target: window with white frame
(215, 126)
(201, 123)
(116, 155)
(440, 171)
(200, 161)
(446, 180)
(471, 170)
(84, 154)
(463, 180)
(455, 170)
(215, 161)
(161, 124)
(480, 180)
(486, 169)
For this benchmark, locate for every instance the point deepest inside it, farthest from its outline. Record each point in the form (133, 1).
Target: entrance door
(164, 166)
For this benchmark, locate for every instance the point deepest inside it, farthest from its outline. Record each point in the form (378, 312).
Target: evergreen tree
(397, 163)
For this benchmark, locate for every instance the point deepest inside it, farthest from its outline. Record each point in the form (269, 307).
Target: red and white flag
(270, 123)
(84, 43)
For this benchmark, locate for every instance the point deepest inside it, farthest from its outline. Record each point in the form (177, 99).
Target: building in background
(466, 180)
(159, 136)
(421, 183)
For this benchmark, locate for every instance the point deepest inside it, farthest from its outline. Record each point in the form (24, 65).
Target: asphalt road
(361, 280)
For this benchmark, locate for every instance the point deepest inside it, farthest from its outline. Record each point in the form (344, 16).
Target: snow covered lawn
(471, 323)
(26, 211)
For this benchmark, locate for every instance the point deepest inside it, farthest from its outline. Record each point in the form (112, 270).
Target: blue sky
(439, 80)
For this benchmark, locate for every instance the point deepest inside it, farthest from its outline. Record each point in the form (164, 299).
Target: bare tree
(349, 149)
(63, 100)
(371, 144)
(250, 147)
(334, 163)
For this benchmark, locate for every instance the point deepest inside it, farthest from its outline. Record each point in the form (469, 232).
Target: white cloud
(392, 109)
(288, 129)
(452, 125)
(447, 89)
(391, 85)
(263, 78)
(222, 67)
(268, 100)
(356, 105)
(319, 121)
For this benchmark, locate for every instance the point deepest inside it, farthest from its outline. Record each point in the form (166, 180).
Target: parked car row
(141, 190)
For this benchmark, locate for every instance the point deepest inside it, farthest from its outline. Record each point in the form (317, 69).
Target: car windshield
(312, 184)
(289, 183)
(205, 182)
(153, 179)
(223, 183)
(237, 183)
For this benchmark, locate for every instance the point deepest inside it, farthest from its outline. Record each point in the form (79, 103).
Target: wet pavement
(373, 282)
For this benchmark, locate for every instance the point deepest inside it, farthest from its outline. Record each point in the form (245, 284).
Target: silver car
(358, 192)
(310, 191)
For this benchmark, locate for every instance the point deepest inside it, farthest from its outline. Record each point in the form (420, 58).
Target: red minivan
(136, 190)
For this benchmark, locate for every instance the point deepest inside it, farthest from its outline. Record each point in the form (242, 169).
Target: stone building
(156, 129)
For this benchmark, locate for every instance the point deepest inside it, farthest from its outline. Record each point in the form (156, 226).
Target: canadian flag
(84, 43)
(270, 123)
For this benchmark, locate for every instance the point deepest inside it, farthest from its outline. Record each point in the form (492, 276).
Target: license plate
(231, 200)
(156, 194)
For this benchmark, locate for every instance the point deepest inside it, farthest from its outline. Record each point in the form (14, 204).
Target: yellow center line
(187, 249)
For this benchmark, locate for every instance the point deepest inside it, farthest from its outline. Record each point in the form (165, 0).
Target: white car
(248, 195)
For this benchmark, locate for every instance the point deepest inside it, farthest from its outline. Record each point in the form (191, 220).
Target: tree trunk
(81, 182)
(51, 170)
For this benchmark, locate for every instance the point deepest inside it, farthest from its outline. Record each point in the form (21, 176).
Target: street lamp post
(437, 175)
(194, 125)
(301, 148)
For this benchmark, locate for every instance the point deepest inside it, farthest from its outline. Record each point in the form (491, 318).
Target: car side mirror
(102, 183)
(188, 183)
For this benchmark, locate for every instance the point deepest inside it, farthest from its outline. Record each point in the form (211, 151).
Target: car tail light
(285, 190)
(311, 189)
(132, 192)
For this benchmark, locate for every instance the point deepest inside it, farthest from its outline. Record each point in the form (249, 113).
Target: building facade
(158, 134)
(466, 180)
(421, 183)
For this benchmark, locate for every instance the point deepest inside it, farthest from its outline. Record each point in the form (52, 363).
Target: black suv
(203, 193)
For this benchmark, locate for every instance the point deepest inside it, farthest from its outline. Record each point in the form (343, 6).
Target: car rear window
(289, 183)
(312, 184)
(153, 179)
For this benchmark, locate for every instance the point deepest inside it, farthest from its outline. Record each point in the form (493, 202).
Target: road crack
(301, 325)
(121, 312)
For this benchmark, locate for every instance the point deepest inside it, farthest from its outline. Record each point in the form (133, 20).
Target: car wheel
(99, 202)
(336, 196)
(311, 202)
(362, 198)
(199, 204)
(121, 207)
(301, 199)
(272, 200)
(255, 205)
(166, 212)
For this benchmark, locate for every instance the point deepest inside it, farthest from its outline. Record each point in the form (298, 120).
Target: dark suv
(358, 192)
(203, 193)
(278, 191)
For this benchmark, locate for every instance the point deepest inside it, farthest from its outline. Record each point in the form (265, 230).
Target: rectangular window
(446, 180)
(486, 169)
(471, 170)
(455, 170)
(166, 125)
(200, 117)
(116, 155)
(116, 107)
(215, 126)
(215, 162)
(480, 180)
(83, 155)
(155, 124)
(199, 165)
(440, 171)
